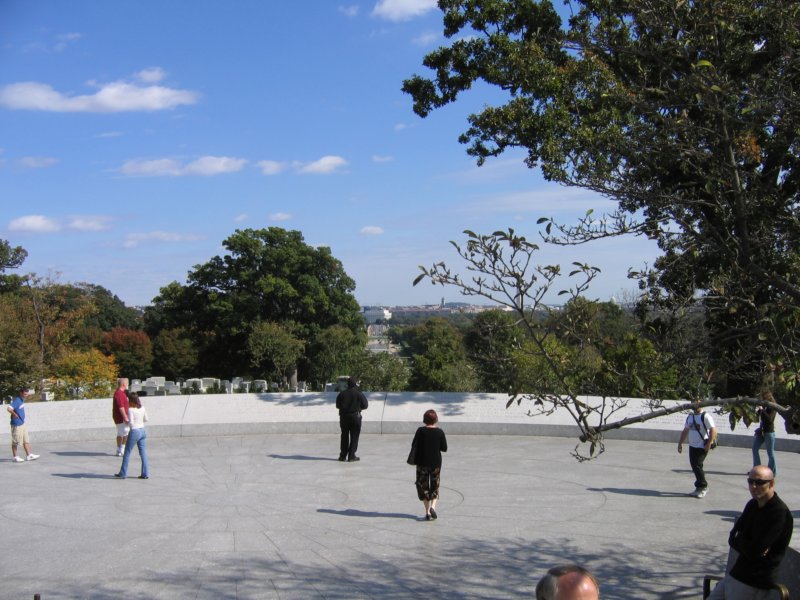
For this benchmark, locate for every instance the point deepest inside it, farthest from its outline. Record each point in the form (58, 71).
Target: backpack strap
(697, 428)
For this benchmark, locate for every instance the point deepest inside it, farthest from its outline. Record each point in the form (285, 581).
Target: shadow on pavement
(83, 475)
(351, 512)
(300, 457)
(639, 492)
(85, 454)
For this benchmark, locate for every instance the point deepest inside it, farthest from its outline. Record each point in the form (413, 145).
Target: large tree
(10, 258)
(266, 275)
(686, 114)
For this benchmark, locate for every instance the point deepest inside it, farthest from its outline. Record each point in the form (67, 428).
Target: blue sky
(135, 136)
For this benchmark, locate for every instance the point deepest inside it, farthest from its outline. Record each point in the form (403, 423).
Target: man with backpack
(702, 434)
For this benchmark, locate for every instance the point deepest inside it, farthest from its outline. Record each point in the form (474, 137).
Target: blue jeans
(136, 437)
(769, 441)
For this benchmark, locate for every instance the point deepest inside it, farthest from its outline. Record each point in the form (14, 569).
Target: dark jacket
(761, 536)
(351, 401)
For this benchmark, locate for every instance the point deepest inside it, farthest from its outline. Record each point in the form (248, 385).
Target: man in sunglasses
(760, 536)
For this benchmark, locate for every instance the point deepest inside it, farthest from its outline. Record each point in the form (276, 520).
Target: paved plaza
(277, 516)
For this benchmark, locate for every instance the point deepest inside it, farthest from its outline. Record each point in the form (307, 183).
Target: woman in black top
(429, 443)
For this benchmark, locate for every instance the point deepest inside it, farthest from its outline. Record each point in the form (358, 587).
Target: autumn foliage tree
(131, 350)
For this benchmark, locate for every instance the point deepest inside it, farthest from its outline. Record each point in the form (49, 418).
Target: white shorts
(123, 429)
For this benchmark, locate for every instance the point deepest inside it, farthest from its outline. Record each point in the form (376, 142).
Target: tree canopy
(266, 276)
(686, 114)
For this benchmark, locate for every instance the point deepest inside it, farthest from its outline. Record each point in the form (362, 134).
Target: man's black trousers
(351, 430)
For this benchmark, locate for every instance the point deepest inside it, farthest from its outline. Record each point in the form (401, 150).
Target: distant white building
(373, 314)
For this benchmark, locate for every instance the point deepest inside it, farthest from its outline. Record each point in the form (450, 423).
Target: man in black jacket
(350, 403)
(760, 536)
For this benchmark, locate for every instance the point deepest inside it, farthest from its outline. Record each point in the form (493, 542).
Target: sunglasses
(758, 482)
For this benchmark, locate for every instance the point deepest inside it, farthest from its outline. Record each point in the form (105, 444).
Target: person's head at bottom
(568, 582)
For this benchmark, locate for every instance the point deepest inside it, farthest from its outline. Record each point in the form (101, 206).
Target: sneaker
(700, 494)
(119, 452)
(32, 457)
(18, 459)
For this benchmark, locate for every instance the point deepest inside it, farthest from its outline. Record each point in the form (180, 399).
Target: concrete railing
(315, 412)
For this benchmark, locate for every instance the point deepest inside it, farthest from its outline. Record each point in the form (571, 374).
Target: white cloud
(402, 10)
(349, 11)
(280, 216)
(69, 37)
(426, 39)
(170, 167)
(134, 239)
(271, 167)
(371, 230)
(214, 165)
(63, 40)
(89, 223)
(159, 167)
(324, 166)
(109, 134)
(400, 126)
(36, 162)
(382, 159)
(118, 96)
(151, 74)
(34, 224)
(241, 217)
(548, 200)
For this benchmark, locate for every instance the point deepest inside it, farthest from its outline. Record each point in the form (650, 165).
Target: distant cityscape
(380, 313)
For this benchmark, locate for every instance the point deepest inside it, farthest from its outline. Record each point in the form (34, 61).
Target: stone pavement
(277, 516)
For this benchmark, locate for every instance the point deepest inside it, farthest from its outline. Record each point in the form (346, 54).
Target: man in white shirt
(702, 433)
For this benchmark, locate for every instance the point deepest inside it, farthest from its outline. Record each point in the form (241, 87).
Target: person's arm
(682, 439)
(339, 401)
(443, 444)
(144, 415)
(362, 400)
(13, 412)
(712, 435)
(757, 544)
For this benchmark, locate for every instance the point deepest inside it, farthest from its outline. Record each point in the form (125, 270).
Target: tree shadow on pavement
(441, 565)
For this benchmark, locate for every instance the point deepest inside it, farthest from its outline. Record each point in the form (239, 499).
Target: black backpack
(703, 421)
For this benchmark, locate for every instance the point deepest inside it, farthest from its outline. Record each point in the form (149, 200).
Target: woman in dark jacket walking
(429, 443)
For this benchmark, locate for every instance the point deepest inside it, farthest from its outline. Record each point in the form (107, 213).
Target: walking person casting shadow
(350, 403)
(137, 416)
(427, 447)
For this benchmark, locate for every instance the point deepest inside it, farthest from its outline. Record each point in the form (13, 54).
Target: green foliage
(266, 275)
(381, 372)
(18, 351)
(10, 258)
(439, 358)
(174, 355)
(274, 349)
(336, 350)
(685, 114)
(492, 343)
